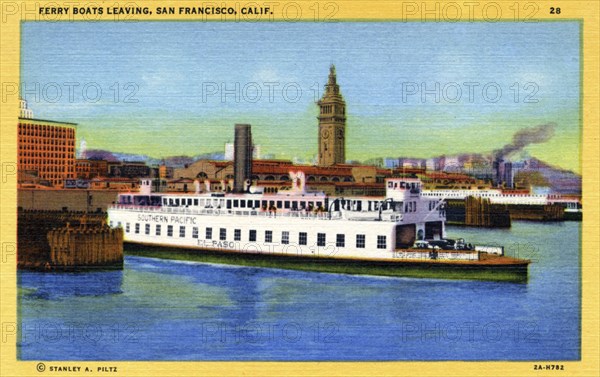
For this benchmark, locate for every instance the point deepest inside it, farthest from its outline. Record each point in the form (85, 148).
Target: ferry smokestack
(242, 156)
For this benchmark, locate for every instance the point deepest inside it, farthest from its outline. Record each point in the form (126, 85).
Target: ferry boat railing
(228, 212)
(335, 215)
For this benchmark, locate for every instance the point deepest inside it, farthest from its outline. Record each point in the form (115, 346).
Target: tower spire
(332, 88)
(332, 77)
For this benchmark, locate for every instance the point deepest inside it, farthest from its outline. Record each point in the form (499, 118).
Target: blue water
(169, 310)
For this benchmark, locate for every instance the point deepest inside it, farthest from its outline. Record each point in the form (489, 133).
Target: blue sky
(180, 69)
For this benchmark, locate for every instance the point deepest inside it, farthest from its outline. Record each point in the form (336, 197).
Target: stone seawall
(65, 199)
(55, 240)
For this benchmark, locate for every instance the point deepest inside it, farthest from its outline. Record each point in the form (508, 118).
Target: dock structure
(548, 212)
(478, 212)
(67, 241)
(85, 247)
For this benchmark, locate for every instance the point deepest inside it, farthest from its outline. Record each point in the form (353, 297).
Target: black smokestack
(242, 156)
(521, 139)
(524, 137)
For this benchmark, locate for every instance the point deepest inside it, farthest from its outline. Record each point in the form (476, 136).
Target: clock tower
(332, 124)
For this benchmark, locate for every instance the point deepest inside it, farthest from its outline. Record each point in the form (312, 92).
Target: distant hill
(177, 161)
(560, 180)
(99, 154)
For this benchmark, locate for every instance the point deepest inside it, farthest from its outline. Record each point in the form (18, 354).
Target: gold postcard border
(588, 14)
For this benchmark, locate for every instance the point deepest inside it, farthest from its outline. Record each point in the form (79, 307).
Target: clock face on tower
(325, 134)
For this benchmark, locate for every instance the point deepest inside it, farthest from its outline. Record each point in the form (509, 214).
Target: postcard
(285, 188)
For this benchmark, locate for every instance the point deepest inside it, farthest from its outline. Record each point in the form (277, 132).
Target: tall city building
(242, 159)
(46, 149)
(332, 124)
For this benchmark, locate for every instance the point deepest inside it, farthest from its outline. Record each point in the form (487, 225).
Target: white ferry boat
(401, 234)
(498, 196)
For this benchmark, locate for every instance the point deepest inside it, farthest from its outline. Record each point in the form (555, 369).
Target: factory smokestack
(504, 174)
(524, 137)
(242, 156)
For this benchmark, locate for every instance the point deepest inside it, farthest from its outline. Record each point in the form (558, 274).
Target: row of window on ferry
(143, 200)
(244, 203)
(302, 237)
(294, 205)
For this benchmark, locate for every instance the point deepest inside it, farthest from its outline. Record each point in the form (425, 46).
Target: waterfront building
(451, 181)
(390, 163)
(273, 176)
(165, 172)
(278, 170)
(128, 169)
(115, 183)
(91, 168)
(180, 185)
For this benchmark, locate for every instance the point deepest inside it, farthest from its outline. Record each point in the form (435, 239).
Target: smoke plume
(526, 136)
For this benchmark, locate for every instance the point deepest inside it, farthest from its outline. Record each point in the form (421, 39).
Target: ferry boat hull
(496, 268)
